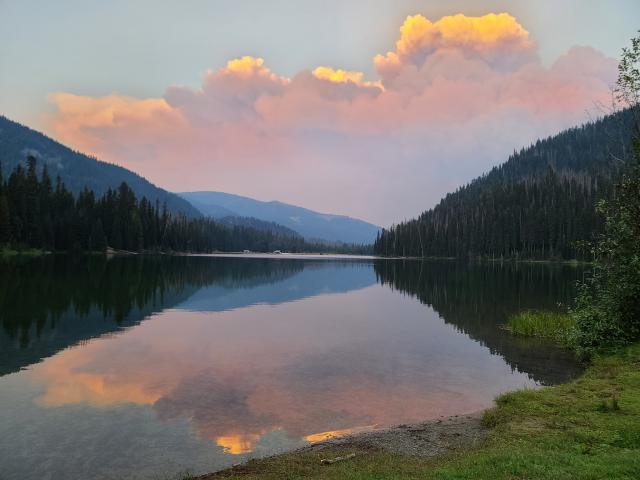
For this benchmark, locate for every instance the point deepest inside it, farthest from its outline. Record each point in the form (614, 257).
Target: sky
(369, 109)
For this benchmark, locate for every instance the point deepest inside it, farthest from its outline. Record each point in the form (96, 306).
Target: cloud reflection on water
(324, 364)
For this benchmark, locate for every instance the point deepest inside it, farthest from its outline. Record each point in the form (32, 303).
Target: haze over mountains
(308, 223)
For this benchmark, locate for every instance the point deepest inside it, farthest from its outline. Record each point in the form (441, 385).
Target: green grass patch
(28, 252)
(586, 429)
(555, 326)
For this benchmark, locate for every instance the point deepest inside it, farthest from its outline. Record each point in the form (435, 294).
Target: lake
(150, 367)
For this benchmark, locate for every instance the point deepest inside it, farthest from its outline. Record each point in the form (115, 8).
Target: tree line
(36, 212)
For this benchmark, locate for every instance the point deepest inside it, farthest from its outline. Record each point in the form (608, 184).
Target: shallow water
(152, 367)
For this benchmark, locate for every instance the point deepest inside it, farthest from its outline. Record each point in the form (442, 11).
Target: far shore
(112, 252)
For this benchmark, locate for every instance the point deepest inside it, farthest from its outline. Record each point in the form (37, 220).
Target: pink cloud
(452, 99)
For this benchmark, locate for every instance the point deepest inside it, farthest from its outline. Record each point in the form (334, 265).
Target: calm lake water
(151, 367)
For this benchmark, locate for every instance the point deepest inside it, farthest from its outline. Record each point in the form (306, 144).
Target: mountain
(256, 224)
(311, 225)
(539, 204)
(77, 170)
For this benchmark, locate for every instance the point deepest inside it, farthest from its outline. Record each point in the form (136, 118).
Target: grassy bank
(586, 429)
(29, 252)
(554, 326)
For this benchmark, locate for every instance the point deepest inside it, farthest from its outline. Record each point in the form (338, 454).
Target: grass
(586, 429)
(28, 252)
(552, 325)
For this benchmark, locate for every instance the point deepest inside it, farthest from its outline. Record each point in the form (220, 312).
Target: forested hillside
(36, 213)
(76, 170)
(252, 222)
(539, 204)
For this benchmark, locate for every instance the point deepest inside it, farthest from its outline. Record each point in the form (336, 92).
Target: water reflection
(478, 299)
(48, 304)
(255, 355)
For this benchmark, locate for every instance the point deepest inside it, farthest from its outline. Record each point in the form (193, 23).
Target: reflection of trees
(49, 303)
(477, 299)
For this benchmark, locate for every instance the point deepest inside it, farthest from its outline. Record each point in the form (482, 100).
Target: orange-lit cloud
(338, 76)
(495, 38)
(248, 67)
(453, 98)
(344, 76)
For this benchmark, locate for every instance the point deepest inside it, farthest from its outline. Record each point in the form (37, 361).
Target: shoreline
(428, 439)
(588, 427)
(111, 252)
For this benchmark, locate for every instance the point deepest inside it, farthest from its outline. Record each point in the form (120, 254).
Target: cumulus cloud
(498, 40)
(451, 100)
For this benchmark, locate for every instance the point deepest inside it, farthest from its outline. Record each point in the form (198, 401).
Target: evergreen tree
(97, 239)
(5, 218)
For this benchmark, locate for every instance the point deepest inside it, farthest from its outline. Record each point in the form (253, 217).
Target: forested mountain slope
(77, 170)
(538, 204)
(261, 225)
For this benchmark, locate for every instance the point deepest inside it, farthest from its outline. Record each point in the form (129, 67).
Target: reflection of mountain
(51, 303)
(311, 279)
(477, 299)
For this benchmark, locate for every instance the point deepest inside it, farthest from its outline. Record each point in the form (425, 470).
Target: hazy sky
(146, 84)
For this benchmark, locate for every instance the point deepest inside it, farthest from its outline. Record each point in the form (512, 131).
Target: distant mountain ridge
(77, 170)
(275, 228)
(308, 223)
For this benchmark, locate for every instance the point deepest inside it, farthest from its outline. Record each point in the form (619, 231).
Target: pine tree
(5, 220)
(97, 239)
